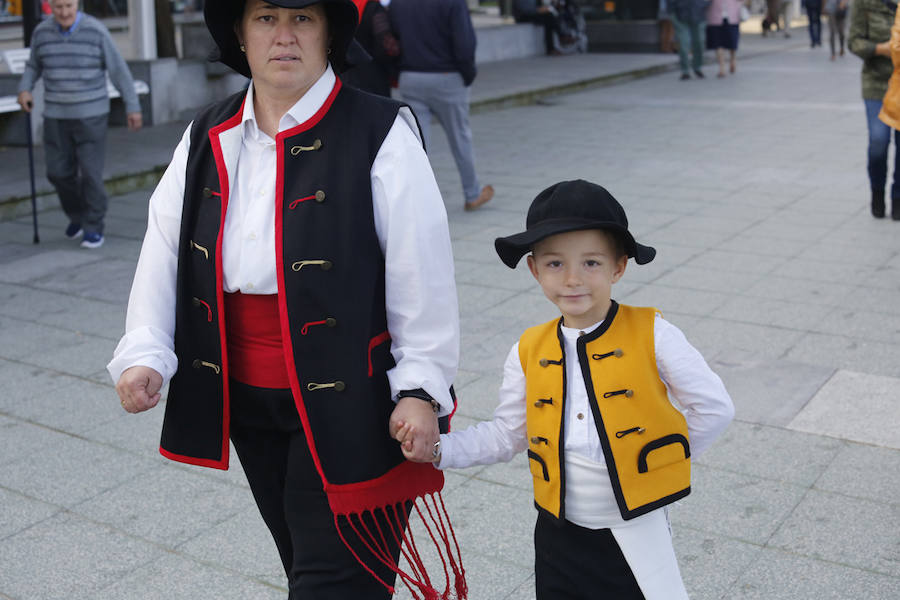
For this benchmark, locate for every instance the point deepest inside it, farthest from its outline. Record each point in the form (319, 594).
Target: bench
(15, 61)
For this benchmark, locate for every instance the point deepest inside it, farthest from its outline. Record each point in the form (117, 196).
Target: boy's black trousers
(575, 563)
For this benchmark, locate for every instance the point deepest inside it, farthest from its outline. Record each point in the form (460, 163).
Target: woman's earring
(329, 51)
(244, 49)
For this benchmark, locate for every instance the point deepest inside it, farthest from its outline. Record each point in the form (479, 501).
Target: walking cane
(31, 171)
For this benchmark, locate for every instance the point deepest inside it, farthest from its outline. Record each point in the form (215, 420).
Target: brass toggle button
(202, 363)
(200, 248)
(617, 353)
(338, 386)
(544, 362)
(324, 264)
(207, 193)
(298, 149)
(320, 196)
(539, 440)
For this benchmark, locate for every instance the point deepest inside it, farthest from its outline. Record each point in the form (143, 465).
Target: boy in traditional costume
(610, 401)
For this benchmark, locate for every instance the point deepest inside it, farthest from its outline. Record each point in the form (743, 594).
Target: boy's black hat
(571, 206)
(222, 15)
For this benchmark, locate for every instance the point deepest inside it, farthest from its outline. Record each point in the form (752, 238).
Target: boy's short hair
(573, 206)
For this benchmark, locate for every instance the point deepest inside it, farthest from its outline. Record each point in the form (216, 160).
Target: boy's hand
(415, 425)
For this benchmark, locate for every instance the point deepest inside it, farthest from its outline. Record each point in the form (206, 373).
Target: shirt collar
(71, 29)
(572, 334)
(308, 105)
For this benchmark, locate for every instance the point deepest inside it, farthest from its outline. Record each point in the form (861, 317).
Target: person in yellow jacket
(890, 106)
(610, 401)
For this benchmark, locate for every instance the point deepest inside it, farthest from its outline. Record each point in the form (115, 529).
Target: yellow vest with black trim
(643, 436)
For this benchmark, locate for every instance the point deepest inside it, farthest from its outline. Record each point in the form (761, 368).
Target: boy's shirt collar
(571, 333)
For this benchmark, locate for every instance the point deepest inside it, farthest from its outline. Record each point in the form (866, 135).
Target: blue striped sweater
(74, 69)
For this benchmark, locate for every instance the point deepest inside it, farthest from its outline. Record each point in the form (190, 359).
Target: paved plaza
(752, 188)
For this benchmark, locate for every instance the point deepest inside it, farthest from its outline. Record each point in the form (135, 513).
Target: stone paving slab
(778, 454)
(751, 381)
(786, 575)
(841, 529)
(67, 556)
(174, 576)
(854, 406)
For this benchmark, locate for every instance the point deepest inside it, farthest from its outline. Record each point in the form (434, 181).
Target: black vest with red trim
(331, 274)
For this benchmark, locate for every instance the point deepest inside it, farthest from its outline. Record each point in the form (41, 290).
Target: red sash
(255, 353)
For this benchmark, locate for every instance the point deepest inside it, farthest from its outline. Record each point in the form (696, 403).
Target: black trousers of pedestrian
(548, 20)
(75, 151)
(268, 436)
(575, 563)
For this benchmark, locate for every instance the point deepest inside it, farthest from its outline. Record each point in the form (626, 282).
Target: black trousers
(574, 563)
(550, 23)
(268, 436)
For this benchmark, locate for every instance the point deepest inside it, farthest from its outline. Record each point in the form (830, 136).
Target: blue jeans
(879, 141)
(814, 12)
(691, 41)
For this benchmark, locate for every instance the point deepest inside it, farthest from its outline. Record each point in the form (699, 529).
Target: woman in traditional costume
(295, 291)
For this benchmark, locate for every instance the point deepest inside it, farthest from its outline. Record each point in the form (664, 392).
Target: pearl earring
(244, 49)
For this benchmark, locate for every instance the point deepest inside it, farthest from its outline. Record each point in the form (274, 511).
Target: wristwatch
(421, 395)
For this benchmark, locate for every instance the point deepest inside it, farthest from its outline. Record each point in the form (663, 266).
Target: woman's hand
(138, 388)
(415, 425)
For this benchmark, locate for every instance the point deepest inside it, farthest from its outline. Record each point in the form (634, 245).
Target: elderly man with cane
(77, 110)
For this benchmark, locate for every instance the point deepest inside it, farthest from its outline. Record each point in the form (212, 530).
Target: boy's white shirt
(692, 386)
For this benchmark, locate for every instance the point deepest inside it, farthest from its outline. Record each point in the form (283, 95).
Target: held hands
(138, 388)
(415, 425)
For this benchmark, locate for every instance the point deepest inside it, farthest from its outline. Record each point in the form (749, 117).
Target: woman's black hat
(222, 15)
(571, 206)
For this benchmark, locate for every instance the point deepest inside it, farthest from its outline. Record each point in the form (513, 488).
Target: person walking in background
(76, 110)
(837, 23)
(437, 66)
(890, 106)
(723, 19)
(375, 36)
(689, 19)
(814, 13)
(869, 38)
(785, 13)
(666, 29)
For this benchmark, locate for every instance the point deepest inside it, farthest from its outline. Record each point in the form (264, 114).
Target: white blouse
(410, 222)
(692, 386)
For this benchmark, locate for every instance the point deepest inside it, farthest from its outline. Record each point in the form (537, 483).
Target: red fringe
(415, 578)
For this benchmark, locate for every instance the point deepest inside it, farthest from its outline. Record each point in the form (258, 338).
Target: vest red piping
(375, 341)
(279, 261)
(216, 145)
